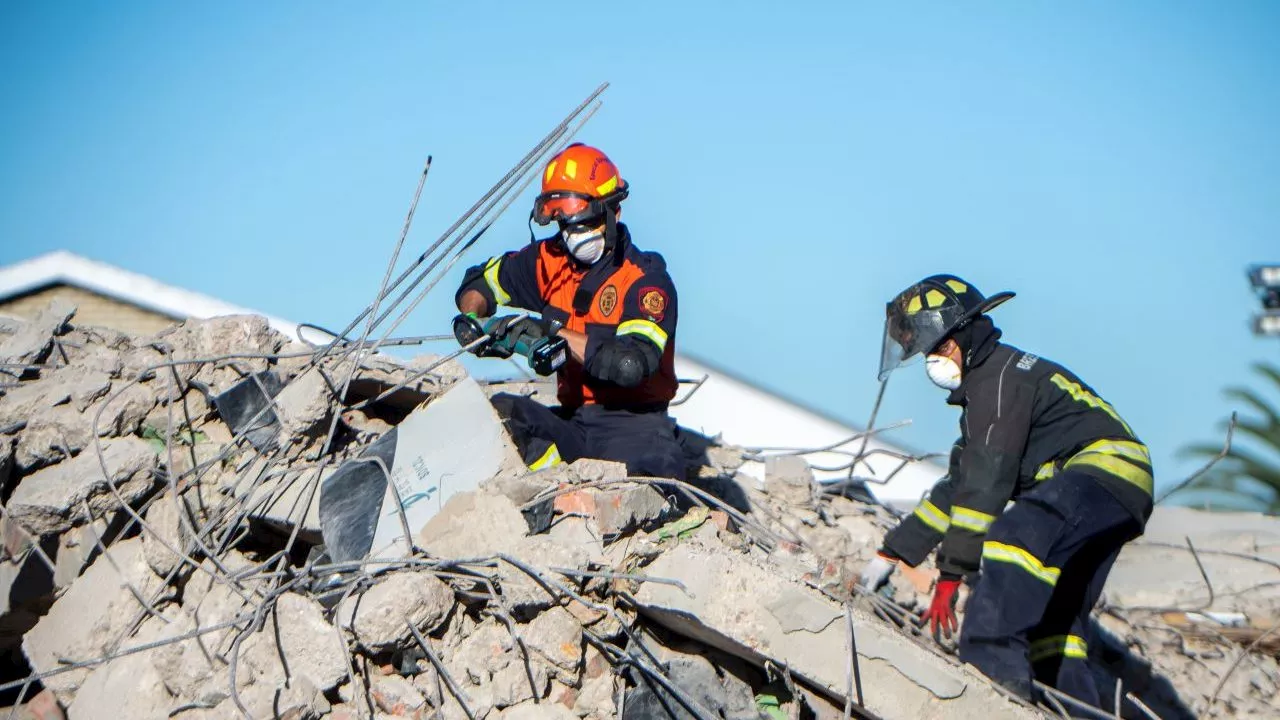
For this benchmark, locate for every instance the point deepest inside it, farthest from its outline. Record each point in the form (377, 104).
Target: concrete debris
(304, 405)
(379, 617)
(789, 479)
(52, 500)
(32, 341)
(198, 577)
(92, 616)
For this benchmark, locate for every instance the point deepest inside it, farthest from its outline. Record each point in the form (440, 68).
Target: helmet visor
(569, 208)
(911, 328)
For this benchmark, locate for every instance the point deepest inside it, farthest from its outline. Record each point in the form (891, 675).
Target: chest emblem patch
(608, 300)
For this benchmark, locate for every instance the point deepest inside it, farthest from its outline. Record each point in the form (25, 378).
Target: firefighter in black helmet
(1032, 432)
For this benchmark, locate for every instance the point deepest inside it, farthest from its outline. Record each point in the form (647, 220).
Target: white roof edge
(62, 267)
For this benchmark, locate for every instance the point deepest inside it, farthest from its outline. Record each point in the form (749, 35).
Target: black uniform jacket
(1024, 420)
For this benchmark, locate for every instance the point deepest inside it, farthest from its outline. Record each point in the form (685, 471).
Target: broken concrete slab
(744, 608)
(164, 531)
(127, 687)
(595, 470)
(397, 696)
(50, 435)
(452, 445)
(454, 533)
(52, 500)
(557, 636)
(296, 641)
(621, 510)
(124, 411)
(304, 405)
(19, 403)
(32, 341)
(377, 617)
(1159, 571)
(789, 479)
(91, 615)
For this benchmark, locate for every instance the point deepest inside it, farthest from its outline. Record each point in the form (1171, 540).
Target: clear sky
(1115, 164)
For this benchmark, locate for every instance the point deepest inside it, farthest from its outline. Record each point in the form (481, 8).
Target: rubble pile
(189, 532)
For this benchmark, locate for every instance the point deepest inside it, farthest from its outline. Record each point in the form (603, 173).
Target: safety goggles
(573, 208)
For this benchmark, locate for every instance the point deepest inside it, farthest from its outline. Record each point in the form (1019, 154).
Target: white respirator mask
(586, 245)
(943, 371)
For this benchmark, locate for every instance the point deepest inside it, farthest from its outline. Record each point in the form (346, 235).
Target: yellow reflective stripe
(1117, 466)
(646, 328)
(1046, 471)
(1077, 392)
(971, 519)
(549, 458)
(1072, 646)
(491, 277)
(930, 515)
(607, 186)
(571, 169)
(999, 552)
(1124, 448)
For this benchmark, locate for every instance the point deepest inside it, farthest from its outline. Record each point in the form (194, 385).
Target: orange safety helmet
(579, 186)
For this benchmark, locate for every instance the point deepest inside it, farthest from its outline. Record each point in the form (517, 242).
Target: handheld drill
(513, 335)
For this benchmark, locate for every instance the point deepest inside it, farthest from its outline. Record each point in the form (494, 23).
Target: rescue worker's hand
(876, 572)
(941, 614)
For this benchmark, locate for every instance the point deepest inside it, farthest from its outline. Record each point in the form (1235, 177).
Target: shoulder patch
(654, 302)
(1027, 361)
(608, 300)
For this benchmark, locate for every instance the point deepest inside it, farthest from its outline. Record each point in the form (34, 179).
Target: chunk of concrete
(744, 609)
(377, 617)
(296, 641)
(127, 687)
(511, 685)
(91, 615)
(788, 479)
(304, 405)
(164, 531)
(622, 510)
(51, 434)
(124, 412)
(33, 340)
(473, 524)
(396, 696)
(51, 500)
(557, 636)
(595, 470)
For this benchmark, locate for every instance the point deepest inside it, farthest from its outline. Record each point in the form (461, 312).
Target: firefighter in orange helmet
(613, 305)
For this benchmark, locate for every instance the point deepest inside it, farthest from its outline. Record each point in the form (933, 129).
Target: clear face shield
(911, 329)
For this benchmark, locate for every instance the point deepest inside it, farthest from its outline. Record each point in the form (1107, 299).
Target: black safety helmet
(921, 317)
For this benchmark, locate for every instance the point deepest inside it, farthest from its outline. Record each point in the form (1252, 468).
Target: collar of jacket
(978, 340)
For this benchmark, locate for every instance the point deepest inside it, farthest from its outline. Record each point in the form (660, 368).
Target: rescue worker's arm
(509, 280)
(634, 353)
(998, 420)
(921, 531)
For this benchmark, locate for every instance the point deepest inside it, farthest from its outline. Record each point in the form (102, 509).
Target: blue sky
(1115, 164)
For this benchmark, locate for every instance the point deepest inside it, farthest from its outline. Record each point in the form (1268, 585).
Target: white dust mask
(943, 371)
(587, 246)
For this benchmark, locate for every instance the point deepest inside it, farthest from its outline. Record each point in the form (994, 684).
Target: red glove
(942, 611)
